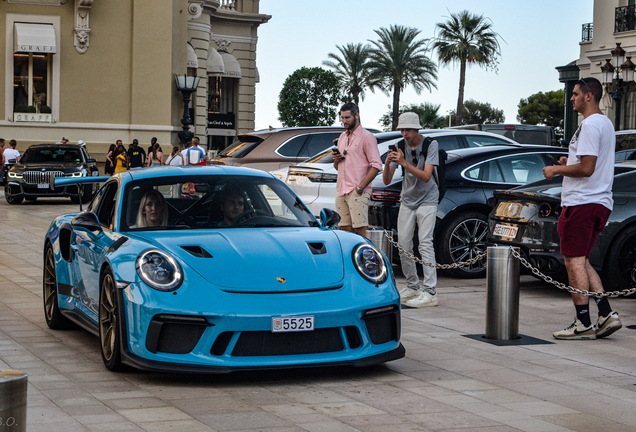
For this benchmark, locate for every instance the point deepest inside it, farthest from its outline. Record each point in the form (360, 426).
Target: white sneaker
(407, 293)
(424, 299)
(576, 330)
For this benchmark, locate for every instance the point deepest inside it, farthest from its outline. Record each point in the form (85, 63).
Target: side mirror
(329, 218)
(88, 221)
(91, 160)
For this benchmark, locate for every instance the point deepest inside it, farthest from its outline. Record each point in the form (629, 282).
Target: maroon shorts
(579, 227)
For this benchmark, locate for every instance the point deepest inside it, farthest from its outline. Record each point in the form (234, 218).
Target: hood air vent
(197, 251)
(317, 248)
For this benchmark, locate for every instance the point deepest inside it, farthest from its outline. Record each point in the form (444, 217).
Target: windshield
(51, 155)
(241, 147)
(211, 202)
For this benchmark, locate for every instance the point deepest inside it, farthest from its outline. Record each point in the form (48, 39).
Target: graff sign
(30, 117)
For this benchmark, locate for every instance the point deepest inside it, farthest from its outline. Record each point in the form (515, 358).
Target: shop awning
(193, 61)
(37, 38)
(215, 64)
(223, 65)
(232, 66)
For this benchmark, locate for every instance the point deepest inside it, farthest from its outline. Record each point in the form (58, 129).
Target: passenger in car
(232, 204)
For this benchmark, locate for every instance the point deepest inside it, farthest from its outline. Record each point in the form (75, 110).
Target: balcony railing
(587, 32)
(625, 19)
(228, 4)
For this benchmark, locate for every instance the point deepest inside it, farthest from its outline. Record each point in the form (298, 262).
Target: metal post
(13, 401)
(502, 304)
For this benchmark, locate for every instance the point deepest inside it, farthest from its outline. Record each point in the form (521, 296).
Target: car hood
(263, 260)
(46, 166)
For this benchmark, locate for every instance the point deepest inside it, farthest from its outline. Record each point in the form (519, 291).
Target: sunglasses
(414, 156)
(582, 81)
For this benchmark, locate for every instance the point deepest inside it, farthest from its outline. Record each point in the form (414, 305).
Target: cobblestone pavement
(447, 382)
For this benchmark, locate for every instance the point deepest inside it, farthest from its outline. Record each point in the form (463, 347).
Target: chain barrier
(471, 261)
(535, 271)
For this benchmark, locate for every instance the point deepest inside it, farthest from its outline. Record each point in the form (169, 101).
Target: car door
(92, 245)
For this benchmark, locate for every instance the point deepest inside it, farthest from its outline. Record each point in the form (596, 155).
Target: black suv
(30, 177)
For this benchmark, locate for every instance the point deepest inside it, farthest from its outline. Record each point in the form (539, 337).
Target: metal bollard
(502, 304)
(13, 401)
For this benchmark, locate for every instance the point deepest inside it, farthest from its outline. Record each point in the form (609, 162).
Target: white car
(314, 180)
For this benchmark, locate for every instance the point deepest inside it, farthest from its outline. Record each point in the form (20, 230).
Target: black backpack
(439, 173)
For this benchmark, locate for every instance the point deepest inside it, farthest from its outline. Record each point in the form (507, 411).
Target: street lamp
(617, 78)
(186, 85)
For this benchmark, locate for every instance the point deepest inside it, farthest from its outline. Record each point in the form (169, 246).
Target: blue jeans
(424, 216)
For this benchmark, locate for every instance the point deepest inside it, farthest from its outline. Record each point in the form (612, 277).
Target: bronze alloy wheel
(109, 324)
(54, 319)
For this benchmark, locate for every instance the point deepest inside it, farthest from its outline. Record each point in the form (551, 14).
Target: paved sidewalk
(447, 382)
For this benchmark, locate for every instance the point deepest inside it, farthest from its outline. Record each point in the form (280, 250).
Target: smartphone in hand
(553, 159)
(392, 148)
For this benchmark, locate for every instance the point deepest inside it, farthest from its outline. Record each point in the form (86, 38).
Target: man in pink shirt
(358, 162)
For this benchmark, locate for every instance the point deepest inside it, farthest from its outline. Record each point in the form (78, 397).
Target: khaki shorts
(353, 209)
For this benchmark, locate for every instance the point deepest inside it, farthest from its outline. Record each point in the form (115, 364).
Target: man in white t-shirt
(586, 201)
(195, 154)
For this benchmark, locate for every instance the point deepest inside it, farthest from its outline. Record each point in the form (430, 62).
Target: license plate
(292, 324)
(505, 231)
(43, 186)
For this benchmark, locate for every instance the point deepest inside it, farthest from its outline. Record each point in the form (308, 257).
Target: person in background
(175, 158)
(418, 207)
(357, 162)
(109, 166)
(136, 156)
(64, 140)
(11, 152)
(195, 154)
(185, 150)
(1, 151)
(155, 155)
(121, 159)
(586, 202)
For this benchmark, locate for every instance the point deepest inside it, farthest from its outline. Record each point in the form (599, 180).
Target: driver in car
(233, 204)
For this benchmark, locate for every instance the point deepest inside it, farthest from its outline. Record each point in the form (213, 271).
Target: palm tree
(397, 60)
(351, 69)
(466, 38)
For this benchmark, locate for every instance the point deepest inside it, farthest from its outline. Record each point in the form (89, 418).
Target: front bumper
(219, 340)
(18, 188)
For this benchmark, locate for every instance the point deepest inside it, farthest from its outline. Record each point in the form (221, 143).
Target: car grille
(40, 177)
(266, 343)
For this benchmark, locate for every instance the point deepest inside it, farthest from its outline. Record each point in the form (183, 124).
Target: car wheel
(52, 314)
(12, 199)
(620, 266)
(463, 238)
(109, 324)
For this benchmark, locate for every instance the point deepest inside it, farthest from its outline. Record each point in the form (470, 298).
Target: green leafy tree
(309, 97)
(479, 113)
(543, 109)
(398, 59)
(351, 69)
(466, 39)
(427, 112)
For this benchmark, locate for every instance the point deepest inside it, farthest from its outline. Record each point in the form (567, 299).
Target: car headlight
(159, 270)
(15, 175)
(75, 174)
(370, 263)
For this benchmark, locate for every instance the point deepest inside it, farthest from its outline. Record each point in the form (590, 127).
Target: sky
(537, 36)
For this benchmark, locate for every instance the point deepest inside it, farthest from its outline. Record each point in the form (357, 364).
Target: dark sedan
(527, 217)
(472, 175)
(30, 178)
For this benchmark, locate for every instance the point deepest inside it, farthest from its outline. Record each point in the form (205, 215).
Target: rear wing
(66, 181)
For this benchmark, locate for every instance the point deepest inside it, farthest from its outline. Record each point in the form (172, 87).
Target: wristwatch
(359, 190)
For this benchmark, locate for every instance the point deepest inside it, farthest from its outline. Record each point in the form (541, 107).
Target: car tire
(464, 237)
(109, 331)
(54, 318)
(11, 199)
(619, 272)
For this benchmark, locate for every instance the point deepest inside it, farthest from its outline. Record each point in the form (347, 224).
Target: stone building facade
(102, 70)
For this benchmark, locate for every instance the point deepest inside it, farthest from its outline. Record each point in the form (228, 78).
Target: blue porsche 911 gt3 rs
(215, 269)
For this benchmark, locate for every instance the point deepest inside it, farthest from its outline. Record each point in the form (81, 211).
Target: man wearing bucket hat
(358, 162)
(418, 207)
